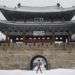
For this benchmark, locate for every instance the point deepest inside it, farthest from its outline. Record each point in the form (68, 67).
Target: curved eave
(20, 23)
(47, 9)
(13, 14)
(29, 27)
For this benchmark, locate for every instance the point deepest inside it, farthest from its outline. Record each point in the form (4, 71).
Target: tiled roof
(38, 9)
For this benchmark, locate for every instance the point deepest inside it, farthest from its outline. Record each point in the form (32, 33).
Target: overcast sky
(64, 3)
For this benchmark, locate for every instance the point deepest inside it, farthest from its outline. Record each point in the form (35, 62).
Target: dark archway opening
(35, 61)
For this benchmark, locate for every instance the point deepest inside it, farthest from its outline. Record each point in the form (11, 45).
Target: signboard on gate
(36, 33)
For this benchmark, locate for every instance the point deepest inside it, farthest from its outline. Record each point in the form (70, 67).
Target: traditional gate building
(32, 34)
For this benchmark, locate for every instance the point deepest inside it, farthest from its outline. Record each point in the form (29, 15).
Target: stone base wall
(19, 55)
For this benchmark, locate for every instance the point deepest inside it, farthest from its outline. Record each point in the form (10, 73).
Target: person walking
(39, 64)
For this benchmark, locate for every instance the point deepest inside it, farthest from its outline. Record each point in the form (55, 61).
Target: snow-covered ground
(48, 72)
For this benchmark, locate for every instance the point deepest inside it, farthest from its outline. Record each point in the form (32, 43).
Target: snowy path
(48, 72)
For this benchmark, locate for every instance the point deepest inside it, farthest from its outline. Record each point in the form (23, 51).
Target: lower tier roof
(18, 28)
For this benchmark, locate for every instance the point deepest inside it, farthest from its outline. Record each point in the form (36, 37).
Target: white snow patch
(2, 16)
(73, 18)
(2, 36)
(45, 72)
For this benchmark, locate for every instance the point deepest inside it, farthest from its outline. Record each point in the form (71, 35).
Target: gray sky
(64, 3)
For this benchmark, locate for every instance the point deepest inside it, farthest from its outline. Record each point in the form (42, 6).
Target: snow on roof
(38, 9)
(36, 23)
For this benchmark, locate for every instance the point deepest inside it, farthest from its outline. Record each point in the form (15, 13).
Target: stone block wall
(19, 55)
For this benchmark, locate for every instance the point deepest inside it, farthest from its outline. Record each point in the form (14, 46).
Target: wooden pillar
(24, 40)
(8, 39)
(53, 38)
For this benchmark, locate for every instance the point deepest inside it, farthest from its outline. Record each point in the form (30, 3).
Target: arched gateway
(38, 59)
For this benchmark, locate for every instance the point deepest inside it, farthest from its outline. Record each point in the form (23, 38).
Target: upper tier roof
(48, 13)
(38, 9)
